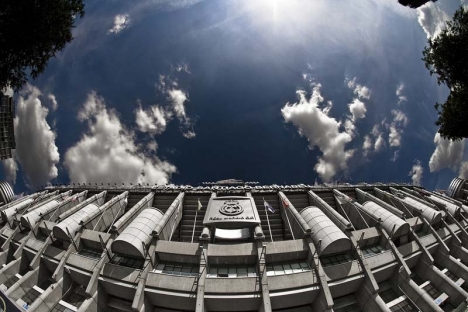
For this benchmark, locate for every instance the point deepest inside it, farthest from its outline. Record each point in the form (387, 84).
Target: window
(372, 251)
(287, 268)
(335, 259)
(432, 291)
(30, 296)
(404, 306)
(388, 295)
(177, 269)
(232, 272)
(11, 281)
(90, 253)
(128, 262)
(61, 308)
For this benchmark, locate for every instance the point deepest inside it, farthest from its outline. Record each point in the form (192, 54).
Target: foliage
(31, 32)
(447, 57)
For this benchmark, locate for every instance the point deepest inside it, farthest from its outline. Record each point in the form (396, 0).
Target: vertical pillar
(138, 300)
(204, 240)
(324, 300)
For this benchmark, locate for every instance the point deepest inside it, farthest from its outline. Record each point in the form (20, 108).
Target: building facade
(235, 247)
(7, 133)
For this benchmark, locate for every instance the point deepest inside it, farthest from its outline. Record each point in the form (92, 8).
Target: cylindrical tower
(71, 225)
(6, 193)
(333, 240)
(393, 225)
(458, 189)
(138, 233)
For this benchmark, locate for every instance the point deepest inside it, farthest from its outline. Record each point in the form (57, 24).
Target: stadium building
(235, 246)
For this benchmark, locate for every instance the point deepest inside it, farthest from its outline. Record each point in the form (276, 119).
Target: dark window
(232, 271)
(177, 269)
(335, 259)
(128, 262)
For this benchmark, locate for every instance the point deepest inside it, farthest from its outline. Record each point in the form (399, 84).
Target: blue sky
(271, 91)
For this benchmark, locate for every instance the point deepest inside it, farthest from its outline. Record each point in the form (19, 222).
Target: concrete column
(368, 295)
(324, 300)
(37, 258)
(298, 224)
(19, 250)
(443, 283)
(6, 244)
(89, 305)
(200, 302)
(463, 232)
(46, 301)
(454, 240)
(59, 270)
(426, 254)
(138, 300)
(450, 263)
(437, 237)
(373, 286)
(421, 298)
(459, 252)
(395, 252)
(456, 294)
(94, 280)
(370, 300)
(261, 251)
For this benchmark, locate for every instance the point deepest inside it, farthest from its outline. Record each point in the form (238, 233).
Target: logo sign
(231, 208)
(231, 212)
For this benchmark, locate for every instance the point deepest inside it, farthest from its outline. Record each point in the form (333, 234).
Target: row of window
(231, 272)
(128, 262)
(372, 251)
(335, 259)
(241, 271)
(287, 268)
(177, 269)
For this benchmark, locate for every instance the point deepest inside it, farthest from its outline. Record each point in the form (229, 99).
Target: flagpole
(268, 219)
(195, 221)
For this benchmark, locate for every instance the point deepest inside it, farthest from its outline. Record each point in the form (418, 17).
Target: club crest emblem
(231, 208)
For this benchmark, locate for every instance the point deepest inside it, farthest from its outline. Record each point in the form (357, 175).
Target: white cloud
(53, 101)
(396, 128)
(35, 141)
(394, 137)
(10, 168)
(395, 156)
(357, 109)
(152, 120)
(448, 154)
(178, 99)
(367, 145)
(108, 152)
(361, 91)
(379, 143)
(121, 21)
(432, 19)
(416, 173)
(321, 131)
(463, 173)
(371, 146)
(399, 93)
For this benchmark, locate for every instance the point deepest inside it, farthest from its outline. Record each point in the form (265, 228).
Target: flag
(199, 204)
(268, 206)
(285, 203)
